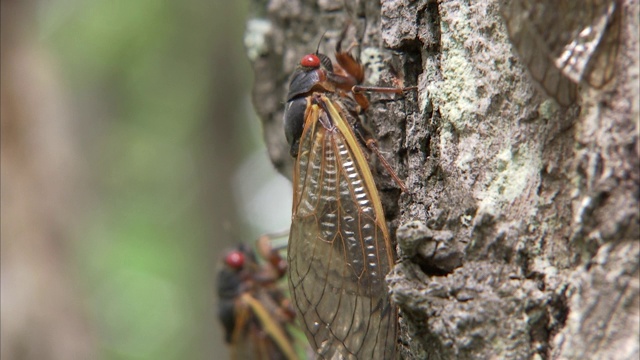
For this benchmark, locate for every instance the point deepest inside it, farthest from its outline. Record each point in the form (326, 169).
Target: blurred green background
(153, 158)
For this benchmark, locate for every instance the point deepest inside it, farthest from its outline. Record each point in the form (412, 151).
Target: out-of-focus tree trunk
(42, 315)
(531, 209)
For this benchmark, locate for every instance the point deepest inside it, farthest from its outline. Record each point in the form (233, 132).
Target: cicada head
(310, 76)
(229, 287)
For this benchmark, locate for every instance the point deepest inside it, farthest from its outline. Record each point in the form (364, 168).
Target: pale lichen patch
(371, 58)
(255, 38)
(514, 171)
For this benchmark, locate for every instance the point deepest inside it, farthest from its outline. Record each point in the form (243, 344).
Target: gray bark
(519, 234)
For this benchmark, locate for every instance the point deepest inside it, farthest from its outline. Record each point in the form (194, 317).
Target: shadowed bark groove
(526, 240)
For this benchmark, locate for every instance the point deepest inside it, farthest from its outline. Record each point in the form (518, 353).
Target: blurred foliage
(161, 92)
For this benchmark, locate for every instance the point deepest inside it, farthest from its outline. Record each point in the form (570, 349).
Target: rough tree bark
(520, 236)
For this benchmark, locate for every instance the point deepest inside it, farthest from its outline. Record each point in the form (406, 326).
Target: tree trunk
(518, 237)
(43, 315)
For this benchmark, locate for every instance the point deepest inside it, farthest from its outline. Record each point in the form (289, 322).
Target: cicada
(339, 247)
(565, 42)
(252, 308)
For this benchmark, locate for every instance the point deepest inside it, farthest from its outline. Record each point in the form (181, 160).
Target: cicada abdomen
(339, 247)
(253, 310)
(565, 42)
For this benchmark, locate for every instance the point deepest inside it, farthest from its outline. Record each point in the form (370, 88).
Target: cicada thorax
(253, 308)
(339, 247)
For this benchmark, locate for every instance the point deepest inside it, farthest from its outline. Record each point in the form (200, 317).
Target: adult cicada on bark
(339, 247)
(252, 307)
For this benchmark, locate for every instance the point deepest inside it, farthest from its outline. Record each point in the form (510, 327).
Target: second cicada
(254, 311)
(339, 247)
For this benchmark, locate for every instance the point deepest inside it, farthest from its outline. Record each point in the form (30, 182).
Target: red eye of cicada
(310, 61)
(234, 259)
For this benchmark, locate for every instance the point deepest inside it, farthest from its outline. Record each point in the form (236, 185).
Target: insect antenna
(319, 41)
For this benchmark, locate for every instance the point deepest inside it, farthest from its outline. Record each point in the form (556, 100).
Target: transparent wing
(338, 249)
(565, 42)
(270, 339)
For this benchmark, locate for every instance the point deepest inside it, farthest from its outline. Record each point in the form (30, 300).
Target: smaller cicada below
(339, 247)
(253, 309)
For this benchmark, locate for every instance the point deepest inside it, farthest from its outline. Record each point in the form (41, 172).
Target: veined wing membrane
(339, 249)
(565, 42)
